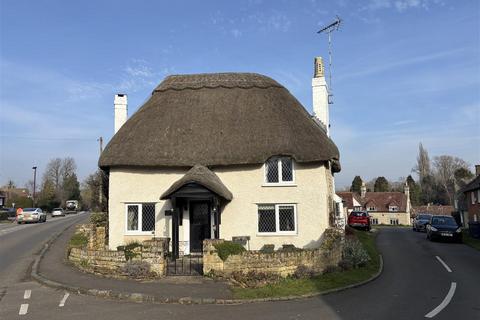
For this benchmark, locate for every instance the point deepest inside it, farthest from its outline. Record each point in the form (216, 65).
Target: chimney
(477, 169)
(320, 94)
(363, 190)
(121, 113)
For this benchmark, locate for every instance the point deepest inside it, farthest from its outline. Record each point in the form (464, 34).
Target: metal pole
(34, 183)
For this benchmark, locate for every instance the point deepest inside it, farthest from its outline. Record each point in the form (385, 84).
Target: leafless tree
(53, 173)
(445, 167)
(422, 168)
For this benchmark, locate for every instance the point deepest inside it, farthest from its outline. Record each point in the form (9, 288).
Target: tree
(47, 198)
(381, 185)
(445, 167)
(415, 191)
(422, 167)
(462, 177)
(71, 188)
(10, 184)
(53, 173)
(356, 184)
(91, 191)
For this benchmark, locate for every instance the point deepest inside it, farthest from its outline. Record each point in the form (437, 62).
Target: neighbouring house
(9, 196)
(433, 209)
(225, 155)
(472, 198)
(391, 208)
(3, 198)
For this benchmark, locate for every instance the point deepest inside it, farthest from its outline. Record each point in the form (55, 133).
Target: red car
(359, 219)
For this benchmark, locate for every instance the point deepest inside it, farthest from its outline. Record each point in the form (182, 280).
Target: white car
(56, 212)
(31, 215)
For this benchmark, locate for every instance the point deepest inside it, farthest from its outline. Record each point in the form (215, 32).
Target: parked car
(420, 222)
(31, 215)
(56, 212)
(359, 219)
(444, 227)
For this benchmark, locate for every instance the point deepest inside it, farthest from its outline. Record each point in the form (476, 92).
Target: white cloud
(400, 5)
(236, 33)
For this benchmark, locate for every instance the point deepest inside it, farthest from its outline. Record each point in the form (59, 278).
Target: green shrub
(254, 279)
(99, 219)
(84, 263)
(78, 240)
(3, 215)
(129, 250)
(228, 248)
(354, 254)
(303, 272)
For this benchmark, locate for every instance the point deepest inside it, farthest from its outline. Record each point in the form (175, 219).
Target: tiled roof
(433, 209)
(382, 200)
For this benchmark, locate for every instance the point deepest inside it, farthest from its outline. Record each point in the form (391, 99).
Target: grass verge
(321, 283)
(468, 240)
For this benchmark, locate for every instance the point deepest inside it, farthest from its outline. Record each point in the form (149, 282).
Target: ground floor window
(374, 220)
(277, 219)
(140, 218)
(393, 221)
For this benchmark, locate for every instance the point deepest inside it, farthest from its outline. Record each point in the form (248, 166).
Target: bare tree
(445, 167)
(53, 173)
(422, 168)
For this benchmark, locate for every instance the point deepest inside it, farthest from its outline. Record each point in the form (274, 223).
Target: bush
(136, 269)
(303, 272)
(228, 248)
(129, 249)
(3, 215)
(99, 219)
(354, 254)
(78, 240)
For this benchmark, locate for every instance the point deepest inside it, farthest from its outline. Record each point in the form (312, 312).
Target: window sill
(279, 185)
(140, 233)
(275, 234)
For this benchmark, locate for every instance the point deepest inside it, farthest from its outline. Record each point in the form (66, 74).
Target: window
(371, 208)
(394, 221)
(473, 197)
(357, 208)
(140, 218)
(392, 208)
(277, 219)
(374, 220)
(279, 170)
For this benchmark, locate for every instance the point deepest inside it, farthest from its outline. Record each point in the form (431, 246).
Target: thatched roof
(202, 176)
(215, 120)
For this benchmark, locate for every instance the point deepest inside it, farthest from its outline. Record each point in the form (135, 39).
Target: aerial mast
(335, 25)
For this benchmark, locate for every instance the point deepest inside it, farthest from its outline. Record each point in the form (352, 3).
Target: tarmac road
(414, 283)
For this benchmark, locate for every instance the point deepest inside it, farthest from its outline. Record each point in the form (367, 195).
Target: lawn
(318, 284)
(472, 242)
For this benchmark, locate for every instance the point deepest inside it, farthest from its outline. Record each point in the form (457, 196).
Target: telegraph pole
(34, 184)
(100, 176)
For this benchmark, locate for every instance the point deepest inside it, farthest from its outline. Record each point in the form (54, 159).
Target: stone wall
(281, 262)
(95, 256)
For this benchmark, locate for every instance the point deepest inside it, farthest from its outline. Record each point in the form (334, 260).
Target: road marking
(444, 264)
(27, 294)
(23, 309)
(444, 303)
(65, 297)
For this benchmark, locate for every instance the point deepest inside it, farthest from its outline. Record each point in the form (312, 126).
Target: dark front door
(199, 224)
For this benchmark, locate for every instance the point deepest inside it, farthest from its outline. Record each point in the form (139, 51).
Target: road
(414, 283)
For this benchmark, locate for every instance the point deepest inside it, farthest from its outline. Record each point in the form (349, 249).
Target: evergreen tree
(381, 185)
(356, 184)
(415, 191)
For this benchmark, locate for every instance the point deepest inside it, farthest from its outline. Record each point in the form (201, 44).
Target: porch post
(175, 228)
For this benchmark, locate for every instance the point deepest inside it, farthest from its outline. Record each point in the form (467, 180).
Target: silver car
(31, 215)
(56, 212)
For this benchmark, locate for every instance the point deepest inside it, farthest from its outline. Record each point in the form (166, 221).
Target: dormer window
(392, 208)
(371, 208)
(279, 170)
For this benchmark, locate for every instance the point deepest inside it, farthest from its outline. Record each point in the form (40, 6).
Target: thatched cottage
(227, 155)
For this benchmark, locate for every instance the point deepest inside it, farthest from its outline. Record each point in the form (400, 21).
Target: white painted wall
(120, 110)
(239, 217)
(320, 95)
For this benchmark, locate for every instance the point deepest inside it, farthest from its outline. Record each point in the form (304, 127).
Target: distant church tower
(320, 95)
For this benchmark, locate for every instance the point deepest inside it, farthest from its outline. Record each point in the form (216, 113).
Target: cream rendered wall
(239, 218)
(384, 217)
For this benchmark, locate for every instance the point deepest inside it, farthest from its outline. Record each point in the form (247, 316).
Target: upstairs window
(279, 170)
(371, 208)
(392, 208)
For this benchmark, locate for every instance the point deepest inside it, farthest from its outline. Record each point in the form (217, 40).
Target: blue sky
(405, 71)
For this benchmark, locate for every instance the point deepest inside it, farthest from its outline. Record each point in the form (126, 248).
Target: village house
(472, 198)
(392, 208)
(225, 155)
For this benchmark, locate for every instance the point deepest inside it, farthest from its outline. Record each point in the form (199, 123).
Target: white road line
(27, 294)
(65, 297)
(444, 264)
(444, 303)
(23, 309)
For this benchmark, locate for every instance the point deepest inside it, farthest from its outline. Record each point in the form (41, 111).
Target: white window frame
(280, 182)
(139, 232)
(277, 220)
(374, 221)
(473, 197)
(396, 221)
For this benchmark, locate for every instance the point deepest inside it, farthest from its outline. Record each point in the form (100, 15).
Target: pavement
(54, 267)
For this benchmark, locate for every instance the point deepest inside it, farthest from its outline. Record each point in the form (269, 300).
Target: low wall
(283, 263)
(95, 257)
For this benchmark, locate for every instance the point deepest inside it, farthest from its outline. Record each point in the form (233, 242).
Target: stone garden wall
(281, 262)
(95, 257)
